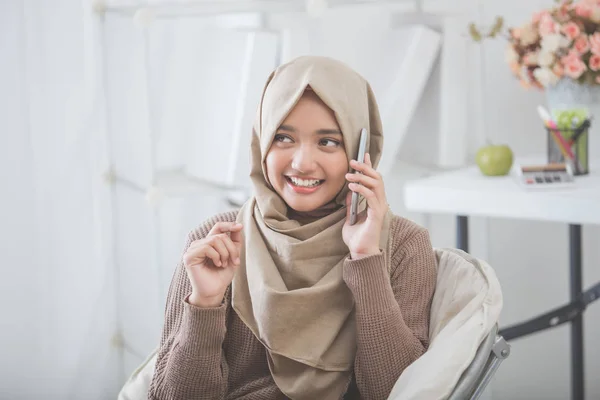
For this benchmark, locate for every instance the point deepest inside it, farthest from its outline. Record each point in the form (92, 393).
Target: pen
(579, 132)
(563, 145)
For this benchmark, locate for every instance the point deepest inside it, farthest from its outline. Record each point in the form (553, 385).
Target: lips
(303, 189)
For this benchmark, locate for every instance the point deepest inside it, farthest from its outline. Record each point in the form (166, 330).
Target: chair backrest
(465, 308)
(136, 387)
(473, 381)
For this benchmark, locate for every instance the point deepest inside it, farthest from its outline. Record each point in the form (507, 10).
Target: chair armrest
(491, 352)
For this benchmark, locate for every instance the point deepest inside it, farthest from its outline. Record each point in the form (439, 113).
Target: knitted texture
(210, 354)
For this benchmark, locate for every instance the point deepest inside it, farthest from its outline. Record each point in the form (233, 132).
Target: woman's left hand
(362, 238)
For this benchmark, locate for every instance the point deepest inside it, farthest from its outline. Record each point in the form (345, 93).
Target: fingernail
(237, 260)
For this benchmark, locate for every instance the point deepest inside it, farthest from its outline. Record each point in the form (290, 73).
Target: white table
(466, 192)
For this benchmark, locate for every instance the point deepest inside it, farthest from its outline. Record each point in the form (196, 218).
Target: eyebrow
(320, 131)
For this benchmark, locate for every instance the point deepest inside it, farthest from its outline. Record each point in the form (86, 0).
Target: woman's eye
(330, 143)
(282, 138)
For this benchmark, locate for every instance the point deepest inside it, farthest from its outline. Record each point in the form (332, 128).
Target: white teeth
(303, 182)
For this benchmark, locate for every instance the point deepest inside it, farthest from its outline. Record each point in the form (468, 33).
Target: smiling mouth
(306, 184)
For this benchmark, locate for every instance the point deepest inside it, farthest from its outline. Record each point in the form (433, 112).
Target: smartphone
(362, 149)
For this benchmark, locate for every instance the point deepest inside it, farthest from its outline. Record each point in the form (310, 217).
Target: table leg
(462, 232)
(577, 371)
(570, 313)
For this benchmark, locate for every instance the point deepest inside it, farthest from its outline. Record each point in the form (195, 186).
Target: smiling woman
(284, 298)
(307, 162)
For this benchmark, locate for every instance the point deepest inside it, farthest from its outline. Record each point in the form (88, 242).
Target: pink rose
(574, 68)
(582, 44)
(571, 30)
(547, 25)
(595, 43)
(537, 16)
(595, 62)
(583, 9)
(598, 79)
(572, 56)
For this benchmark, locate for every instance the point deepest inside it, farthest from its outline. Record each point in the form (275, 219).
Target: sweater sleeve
(392, 312)
(190, 363)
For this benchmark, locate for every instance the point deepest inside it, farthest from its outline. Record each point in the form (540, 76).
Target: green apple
(494, 160)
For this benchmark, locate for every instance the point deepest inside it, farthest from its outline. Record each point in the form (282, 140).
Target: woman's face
(306, 163)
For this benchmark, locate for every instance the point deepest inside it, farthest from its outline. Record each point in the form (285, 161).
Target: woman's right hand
(211, 263)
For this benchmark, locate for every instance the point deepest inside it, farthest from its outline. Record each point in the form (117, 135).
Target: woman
(286, 299)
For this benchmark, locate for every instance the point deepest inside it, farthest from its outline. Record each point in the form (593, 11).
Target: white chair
(465, 349)
(476, 377)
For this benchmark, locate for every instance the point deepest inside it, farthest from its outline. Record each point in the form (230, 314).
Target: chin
(303, 206)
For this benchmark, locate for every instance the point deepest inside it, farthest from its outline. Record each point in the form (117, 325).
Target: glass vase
(570, 94)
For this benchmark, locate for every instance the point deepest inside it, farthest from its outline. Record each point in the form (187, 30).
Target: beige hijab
(289, 289)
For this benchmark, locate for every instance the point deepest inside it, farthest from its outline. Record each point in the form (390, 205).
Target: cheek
(342, 166)
(338, 169)
(273, 166)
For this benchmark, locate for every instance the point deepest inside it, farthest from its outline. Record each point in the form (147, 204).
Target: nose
(303, 160)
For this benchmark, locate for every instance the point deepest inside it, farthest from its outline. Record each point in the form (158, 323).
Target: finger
(197, 244)
(213, 255)
(219, 246)
(375, 184)
(229, 247)
(364, 180)
(236, 235)
(224, 227)
(365, 169)
(195, 256)
(376, 174)
(367, 194)
(234, 253)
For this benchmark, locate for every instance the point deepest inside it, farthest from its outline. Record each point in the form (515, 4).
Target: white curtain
(56, 294)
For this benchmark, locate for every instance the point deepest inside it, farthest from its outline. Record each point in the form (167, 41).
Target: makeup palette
(545, 176)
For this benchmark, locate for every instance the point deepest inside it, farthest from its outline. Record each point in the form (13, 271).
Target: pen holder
(571, 146)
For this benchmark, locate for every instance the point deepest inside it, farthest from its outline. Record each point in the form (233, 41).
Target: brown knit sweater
(210, 353)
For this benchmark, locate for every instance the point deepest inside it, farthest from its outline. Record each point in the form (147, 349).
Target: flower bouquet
(560, 42)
